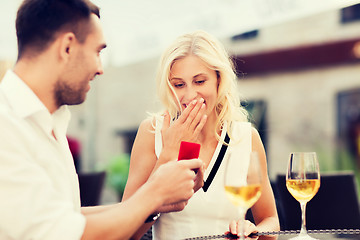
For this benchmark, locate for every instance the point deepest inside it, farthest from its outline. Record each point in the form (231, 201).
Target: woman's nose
(190, 94)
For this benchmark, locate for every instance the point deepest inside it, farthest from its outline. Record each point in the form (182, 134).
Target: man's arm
(121, 220)
(96, 209)
(171, 183)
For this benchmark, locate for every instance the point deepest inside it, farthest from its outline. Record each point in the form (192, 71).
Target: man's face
(83, 66)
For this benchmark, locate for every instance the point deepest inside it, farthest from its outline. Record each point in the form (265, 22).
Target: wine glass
(242, 182)
(303, 182)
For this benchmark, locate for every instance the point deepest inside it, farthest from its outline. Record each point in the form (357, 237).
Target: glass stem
(242, 223)
(303, 219)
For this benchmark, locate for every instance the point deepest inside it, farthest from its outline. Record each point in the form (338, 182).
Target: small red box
(189, 150)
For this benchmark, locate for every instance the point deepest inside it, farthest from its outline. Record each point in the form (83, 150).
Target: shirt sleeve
(30, 205)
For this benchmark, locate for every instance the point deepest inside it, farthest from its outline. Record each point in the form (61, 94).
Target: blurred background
(299, 75)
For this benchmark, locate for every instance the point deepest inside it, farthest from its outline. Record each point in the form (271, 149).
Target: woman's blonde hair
(212, 52)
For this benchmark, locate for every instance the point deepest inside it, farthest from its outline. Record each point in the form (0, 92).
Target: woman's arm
(143, 159)
(142, 163)
(264, 210)
(186, 128)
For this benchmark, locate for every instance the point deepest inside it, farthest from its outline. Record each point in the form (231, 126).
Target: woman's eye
(178, 85)
(199, 81)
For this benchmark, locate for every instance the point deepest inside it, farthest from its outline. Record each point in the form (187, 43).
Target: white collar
(26, 104)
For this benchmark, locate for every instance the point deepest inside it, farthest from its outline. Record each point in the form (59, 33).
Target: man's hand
(179, 206)
(174, 181)
(173, 207)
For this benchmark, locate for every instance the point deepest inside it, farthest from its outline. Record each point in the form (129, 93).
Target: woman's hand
(199, 179)
(186, 128)
(249, 227)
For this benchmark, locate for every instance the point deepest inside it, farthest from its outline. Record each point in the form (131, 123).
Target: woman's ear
(67, 45)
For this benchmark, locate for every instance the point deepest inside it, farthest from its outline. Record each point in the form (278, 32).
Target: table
(334, 234)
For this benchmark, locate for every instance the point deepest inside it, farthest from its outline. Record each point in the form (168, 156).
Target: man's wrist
(152, 217)
(150, 191)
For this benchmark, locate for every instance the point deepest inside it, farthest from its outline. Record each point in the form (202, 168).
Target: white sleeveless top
(210, 212)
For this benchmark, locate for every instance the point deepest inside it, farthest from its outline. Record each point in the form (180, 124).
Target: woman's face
(192, 79)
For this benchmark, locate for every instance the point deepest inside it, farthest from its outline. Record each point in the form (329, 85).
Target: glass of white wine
(303, 182)
(242, 182)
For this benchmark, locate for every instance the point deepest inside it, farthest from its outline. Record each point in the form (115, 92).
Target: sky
(140, 29)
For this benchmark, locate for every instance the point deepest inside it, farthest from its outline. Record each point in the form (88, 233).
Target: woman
(196, 81)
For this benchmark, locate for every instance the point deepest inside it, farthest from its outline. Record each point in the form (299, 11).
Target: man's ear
(67, 45)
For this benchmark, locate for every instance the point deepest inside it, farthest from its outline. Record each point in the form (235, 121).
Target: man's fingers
(192, 164)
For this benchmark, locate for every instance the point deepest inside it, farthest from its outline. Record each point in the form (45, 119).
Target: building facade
(300, 78)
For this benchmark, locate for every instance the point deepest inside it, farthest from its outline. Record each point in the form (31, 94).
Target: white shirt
(207, 213)
(39, 187)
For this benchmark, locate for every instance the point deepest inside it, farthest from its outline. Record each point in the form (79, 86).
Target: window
(257, 112)
(245, 36)
(349, 128)
(350, 14)
(129, 137)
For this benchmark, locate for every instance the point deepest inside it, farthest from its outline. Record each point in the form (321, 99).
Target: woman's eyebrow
(175, 78)
(194, 77)
(199, 75)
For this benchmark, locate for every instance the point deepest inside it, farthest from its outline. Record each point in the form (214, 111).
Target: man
(59, 45)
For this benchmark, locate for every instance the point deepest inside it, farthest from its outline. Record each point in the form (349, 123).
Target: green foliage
(338, 159)
(117, 171)
(327, 159)
(348, 162)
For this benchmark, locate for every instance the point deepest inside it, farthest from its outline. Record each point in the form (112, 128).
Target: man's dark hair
(39, 21)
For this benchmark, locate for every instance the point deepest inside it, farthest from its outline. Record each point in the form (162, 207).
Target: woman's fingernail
(201, 100)
(194, 102)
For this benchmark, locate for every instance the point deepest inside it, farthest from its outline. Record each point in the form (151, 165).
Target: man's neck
(39, 79)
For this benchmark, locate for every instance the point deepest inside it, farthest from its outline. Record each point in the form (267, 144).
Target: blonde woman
(197, 86)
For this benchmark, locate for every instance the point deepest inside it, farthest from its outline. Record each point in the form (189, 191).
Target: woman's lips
(185, 104)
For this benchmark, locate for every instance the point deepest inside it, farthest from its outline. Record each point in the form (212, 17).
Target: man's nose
(100, 69)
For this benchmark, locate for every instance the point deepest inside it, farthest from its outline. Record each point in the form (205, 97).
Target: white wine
(244, 196)
(303, 190)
